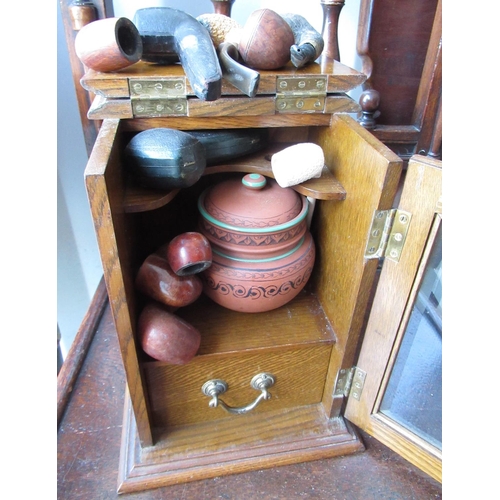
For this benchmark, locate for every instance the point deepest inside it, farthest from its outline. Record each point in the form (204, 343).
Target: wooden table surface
(89, 437)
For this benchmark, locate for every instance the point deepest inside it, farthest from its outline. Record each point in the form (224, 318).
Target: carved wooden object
(74, 15)
(172, 432)
(167, 410)
(82, 12)
(400, 48)
(331, 13)
(223, 7)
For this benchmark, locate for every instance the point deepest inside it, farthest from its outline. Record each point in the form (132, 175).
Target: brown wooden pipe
(166, 337)
(156, 280)
(109, 44)
(265, 40)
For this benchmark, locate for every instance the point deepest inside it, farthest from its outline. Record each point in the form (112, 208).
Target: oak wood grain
(110, 107)
(215, 122)
(92, 424)
(421, 197)
(216, 448)
(341, 282)
(301, 322)
(176, 397)
(343, 277)
(105, 191)
(340, 78)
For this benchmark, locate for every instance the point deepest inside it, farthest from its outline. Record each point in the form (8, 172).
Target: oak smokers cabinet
(170, 432)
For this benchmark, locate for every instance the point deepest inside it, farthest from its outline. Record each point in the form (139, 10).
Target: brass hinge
(387, 234)
(158, 97)
(350, 382)
(306, 94)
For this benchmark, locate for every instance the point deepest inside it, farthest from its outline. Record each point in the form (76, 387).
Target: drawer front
(176, 398)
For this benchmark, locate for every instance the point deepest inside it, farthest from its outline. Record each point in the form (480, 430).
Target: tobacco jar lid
(252, 204)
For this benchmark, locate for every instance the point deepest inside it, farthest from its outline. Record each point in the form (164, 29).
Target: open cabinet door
(396, 387)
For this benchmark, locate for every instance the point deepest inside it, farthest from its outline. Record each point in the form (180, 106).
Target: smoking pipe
(225, 33)
(243, 78)
(170, 35)
(108, 44)
(308, 42)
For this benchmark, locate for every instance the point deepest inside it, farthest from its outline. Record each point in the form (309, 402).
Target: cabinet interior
(305, 343)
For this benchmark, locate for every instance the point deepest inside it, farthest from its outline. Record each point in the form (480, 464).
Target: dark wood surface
(399, 35)
(89, 438)
(69, 371)
(69, 11)
(400, 46)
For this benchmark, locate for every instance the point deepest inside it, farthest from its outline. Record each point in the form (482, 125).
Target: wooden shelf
(300, 322)
(326, 187)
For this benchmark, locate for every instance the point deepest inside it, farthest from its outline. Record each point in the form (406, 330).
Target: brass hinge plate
(350, 382)
(387, 234)
(305, 94)
(158, 97)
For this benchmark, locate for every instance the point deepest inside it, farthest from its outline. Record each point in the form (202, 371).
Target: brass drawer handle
(214, 388)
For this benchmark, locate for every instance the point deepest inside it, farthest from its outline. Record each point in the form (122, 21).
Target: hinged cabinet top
(339, 78)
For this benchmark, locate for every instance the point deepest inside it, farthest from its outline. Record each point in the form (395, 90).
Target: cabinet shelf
(298, 323)
(326, 187)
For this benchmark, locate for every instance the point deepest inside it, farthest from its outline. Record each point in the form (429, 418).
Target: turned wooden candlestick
(223, 7)
(81, 13)
(331, 13)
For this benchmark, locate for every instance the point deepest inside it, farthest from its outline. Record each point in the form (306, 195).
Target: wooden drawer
(298, 361)
(176, 397)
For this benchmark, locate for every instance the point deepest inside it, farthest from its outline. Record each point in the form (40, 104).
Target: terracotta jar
(262, 251)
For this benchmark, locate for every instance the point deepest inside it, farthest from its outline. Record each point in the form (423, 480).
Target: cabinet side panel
(105, 194)
(370, 173)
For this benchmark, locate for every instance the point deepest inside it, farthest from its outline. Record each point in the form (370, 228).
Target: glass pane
(413, 395)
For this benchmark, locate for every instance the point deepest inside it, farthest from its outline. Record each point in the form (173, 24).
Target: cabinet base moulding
(231, 445)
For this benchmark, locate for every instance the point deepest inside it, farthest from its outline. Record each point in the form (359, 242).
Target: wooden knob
(369, 101)
(109, 44)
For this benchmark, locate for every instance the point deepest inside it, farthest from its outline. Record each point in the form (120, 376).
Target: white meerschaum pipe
(297, 163)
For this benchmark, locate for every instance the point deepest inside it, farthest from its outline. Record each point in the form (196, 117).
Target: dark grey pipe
(169, 35)
(308, 42)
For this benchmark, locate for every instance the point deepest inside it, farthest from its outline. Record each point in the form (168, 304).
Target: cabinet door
(398, 400)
